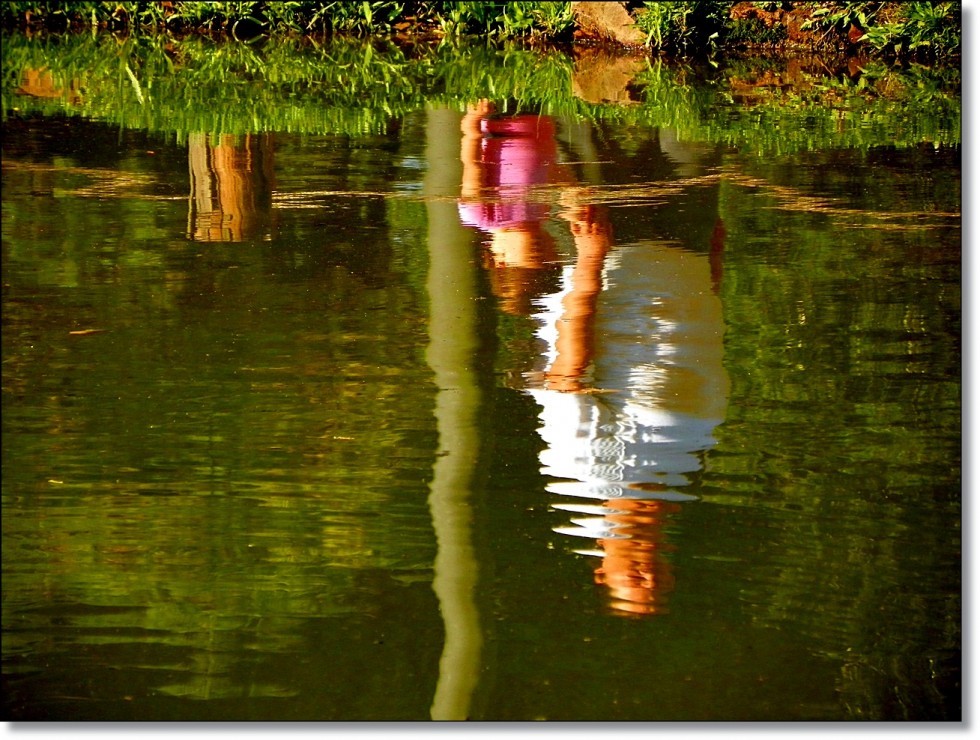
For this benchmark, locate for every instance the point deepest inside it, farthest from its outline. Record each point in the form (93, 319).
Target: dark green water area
(361, 381)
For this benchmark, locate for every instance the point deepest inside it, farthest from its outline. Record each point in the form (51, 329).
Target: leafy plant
(896, 29)
(685, 26)
(920, 26)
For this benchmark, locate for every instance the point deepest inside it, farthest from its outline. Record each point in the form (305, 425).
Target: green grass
(678, 27)
(248, 19)
(684, 27)
(898, 30)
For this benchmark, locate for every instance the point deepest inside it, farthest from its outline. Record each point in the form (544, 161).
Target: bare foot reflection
(632, 384)
(634, 568)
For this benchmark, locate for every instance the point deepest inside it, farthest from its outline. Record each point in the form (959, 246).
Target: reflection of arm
(470, 149)
(575, 344)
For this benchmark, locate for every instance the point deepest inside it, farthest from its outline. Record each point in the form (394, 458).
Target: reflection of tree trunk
(451, 354)
(231, 186)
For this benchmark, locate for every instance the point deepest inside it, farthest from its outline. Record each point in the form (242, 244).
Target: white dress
(658, 380)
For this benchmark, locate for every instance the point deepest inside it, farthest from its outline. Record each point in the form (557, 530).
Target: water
(501, 411)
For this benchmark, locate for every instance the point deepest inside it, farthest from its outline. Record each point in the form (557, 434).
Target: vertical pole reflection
(451, 287)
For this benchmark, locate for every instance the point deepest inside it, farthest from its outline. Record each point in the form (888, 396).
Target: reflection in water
(600, 76)
(231, 186)
(658, 390)
(630, 534)
(633, 383)
(451, 287)
(504, 158)
(232, 493)
(39, 83)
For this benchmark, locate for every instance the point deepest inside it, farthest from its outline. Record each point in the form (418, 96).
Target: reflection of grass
(842, 325)
(355, 88)
(807, 110)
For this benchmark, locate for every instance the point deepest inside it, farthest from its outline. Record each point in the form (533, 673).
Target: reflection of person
(231, 186)
(657, 390)
(507, 161)
(633, 383)
(574, 342)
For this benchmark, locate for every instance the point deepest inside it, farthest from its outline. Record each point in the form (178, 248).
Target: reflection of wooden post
(451, 352)
(231, 186)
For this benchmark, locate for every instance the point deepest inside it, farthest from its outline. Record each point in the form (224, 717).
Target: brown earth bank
(753, 26)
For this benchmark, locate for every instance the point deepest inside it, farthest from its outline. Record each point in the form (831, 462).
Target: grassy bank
(900, 30)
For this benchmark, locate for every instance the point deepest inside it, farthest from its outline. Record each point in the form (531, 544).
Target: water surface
(611, 405)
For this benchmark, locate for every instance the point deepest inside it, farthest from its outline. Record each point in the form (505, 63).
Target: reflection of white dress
(658, 361)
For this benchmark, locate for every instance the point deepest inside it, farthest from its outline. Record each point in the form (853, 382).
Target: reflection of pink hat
(515, 155)
(535, 127)
(517, 161)
(491, 216)
(522, 147)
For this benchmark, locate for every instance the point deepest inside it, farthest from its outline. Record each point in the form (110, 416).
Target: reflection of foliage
(792, 109)
(345, 86)
(354, 88)
(842, 342)
(202, 434)
(870, 387)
